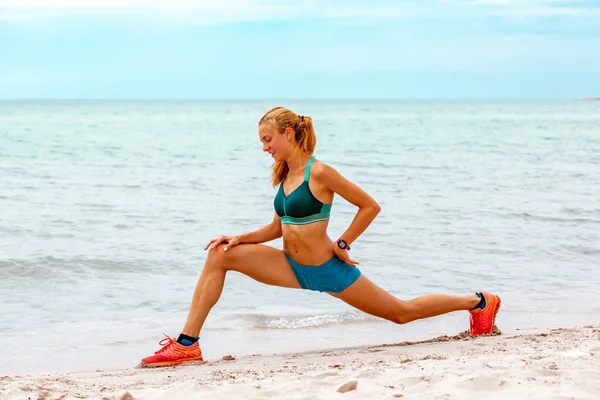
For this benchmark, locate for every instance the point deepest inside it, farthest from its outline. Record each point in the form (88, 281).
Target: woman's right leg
(260, 262)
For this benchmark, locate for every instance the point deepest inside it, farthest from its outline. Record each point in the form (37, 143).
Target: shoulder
(320, 170)
(324, 173)
(327, 176)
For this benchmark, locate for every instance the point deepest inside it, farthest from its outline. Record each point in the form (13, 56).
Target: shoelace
(165, 343)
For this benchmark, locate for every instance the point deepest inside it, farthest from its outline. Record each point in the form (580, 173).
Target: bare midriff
(308, 244)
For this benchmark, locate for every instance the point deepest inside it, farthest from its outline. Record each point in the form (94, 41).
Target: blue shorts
(333, 276)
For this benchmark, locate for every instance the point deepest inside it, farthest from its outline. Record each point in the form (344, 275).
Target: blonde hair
(304, 136)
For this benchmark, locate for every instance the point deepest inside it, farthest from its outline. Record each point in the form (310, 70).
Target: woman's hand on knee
(230, 241)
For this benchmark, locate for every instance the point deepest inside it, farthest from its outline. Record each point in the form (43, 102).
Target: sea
(106, 206)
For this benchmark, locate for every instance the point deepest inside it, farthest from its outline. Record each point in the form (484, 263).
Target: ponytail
(305, 135)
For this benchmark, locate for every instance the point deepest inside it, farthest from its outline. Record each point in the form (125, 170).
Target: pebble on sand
(348, 386)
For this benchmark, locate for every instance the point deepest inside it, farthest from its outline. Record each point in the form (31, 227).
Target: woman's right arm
(264, 234)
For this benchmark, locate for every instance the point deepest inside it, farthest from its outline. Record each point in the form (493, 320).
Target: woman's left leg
(370, 298)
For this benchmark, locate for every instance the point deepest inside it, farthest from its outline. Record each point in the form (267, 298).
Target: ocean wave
(64, 269)
(580, 211)
(554, 218)
(262, 321)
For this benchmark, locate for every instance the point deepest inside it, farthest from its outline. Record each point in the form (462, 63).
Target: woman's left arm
(368, 208)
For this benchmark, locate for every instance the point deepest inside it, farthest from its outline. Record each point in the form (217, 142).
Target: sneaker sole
(186, 361)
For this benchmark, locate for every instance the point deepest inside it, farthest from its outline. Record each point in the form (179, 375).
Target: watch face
(342, 244)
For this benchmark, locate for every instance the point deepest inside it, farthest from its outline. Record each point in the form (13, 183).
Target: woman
(310, 259)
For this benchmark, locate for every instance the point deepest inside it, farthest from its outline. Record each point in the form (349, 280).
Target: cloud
(530, 3)
(543, 11)
(541, 8)
(211, 11)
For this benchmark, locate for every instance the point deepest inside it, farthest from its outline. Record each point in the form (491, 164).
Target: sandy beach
(560, 363)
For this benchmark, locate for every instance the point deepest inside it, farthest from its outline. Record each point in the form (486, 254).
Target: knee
(217, 258)
(401, 319)
(404, 314)
(220, 259)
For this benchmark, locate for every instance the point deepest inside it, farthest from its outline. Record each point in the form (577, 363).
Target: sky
(299, 49)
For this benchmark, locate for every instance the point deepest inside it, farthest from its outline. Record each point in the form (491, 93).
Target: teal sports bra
(300, 207)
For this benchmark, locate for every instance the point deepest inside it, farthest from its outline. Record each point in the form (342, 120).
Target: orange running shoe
(173, 353)
(483, 319)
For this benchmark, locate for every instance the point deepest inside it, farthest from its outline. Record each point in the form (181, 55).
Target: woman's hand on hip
(343, 255)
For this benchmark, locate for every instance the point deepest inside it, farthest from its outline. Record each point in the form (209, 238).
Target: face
(278, 145)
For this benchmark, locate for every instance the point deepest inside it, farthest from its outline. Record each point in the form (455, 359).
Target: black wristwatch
(342, 244)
